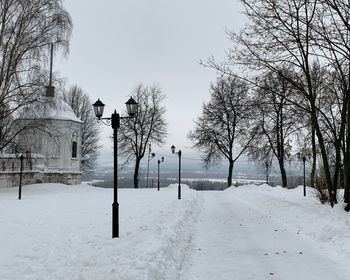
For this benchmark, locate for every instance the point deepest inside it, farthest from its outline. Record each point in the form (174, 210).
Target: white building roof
(62, 111)
(52, 108)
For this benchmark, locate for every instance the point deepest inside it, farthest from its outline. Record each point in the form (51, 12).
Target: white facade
(53, 148)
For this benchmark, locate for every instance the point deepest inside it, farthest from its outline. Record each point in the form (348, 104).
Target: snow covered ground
(259, 232)
(249, 232)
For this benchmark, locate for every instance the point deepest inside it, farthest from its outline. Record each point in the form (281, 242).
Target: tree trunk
(136, 173)
(346, 170)
(346, 175)
(314, 157)
(230, 170)
(337, 169)
(347, 160)
(326, 166)
(282, 153)
(346, 187)
(283, 173)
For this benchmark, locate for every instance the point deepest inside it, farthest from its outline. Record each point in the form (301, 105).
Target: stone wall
(33, 172)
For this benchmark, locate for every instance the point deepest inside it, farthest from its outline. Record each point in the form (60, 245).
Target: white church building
(51, 149)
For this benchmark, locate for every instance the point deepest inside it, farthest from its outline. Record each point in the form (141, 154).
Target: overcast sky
(118, 44)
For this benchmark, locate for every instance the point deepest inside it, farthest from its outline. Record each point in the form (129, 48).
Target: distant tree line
(294, 62)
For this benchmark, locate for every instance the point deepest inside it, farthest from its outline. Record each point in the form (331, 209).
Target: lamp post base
(115, 219)
(179, 192)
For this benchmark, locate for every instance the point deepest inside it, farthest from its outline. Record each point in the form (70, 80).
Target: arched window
(74, 149)
(75, 144)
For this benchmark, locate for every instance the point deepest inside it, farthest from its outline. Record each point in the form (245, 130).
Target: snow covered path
(252, 232)
(235, 240)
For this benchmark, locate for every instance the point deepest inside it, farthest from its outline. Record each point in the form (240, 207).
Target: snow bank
(328, 227)
(64, 232)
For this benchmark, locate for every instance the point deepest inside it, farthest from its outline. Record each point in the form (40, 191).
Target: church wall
(57, 150)
(50, 156)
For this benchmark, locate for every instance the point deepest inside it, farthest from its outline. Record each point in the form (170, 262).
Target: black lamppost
(21, 158)
(114, 121)
(158, 169)
(267, 172)
(150, 157)
(179, 153)
(20, 178)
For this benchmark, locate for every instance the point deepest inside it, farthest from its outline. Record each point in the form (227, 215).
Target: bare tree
(221, 131)
(82, 107)
(296, 33)
(280, 33)
(333, 35)
(276, 121)
(148, 126)
(27, 28)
